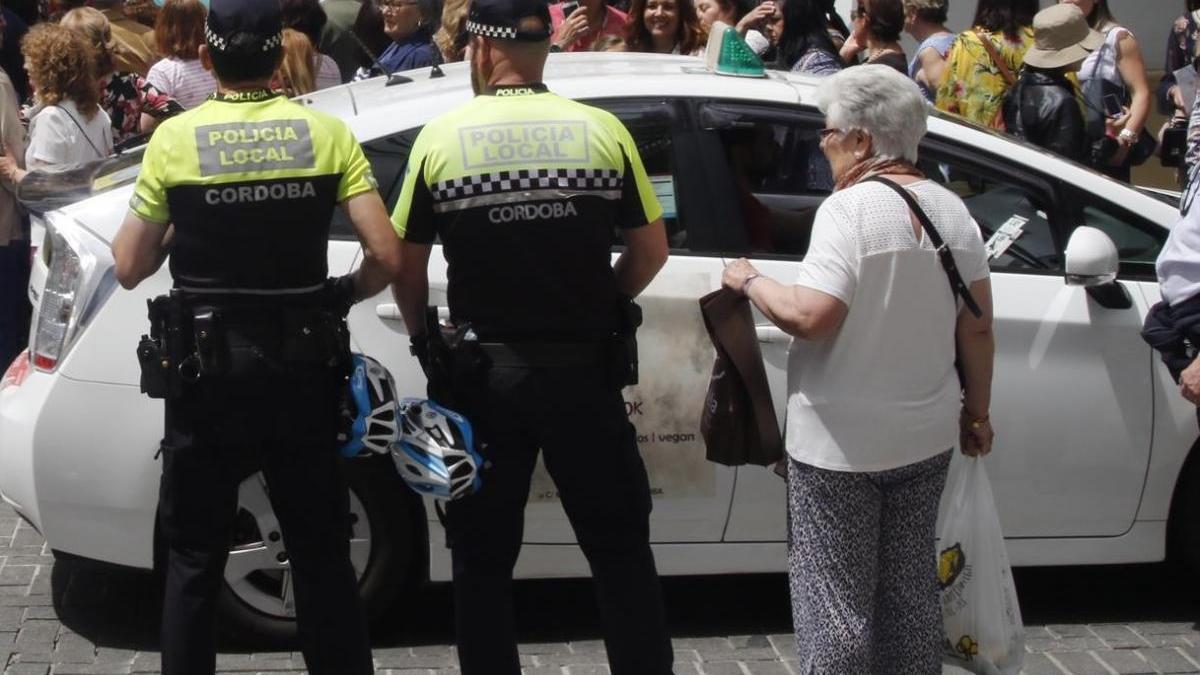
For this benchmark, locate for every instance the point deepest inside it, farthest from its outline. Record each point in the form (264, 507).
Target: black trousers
(578, 421)
(217, 435)
(14, 301)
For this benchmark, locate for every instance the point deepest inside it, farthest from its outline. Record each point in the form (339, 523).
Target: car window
(653, 124)
(769, 167)
(388, 157)
(1138, 240)
(1013, 216)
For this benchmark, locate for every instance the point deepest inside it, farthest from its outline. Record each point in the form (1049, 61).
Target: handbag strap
(83, 131)
(957, 286)
(1001, 65)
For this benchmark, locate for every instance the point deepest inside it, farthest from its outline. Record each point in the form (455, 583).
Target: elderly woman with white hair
(875, 405)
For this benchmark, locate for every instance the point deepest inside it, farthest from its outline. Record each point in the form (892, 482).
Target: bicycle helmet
(436, 454)
(372, 409)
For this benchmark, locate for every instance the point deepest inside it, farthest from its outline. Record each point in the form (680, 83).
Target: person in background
(870, 431)
(12, 29)
(134, 106)
(974, 85)
(144, 12)
(451, 36)
(26, 10)
(589, 20)
(925, 21)
(179, 32)
(368, 30)
(14, 232)
(337, 39)
(1182, 43)
(409, 25)
(1043, 107)
(745, 21)
(67, 126)
(1119, 62)
(309, 18)
(665, 27)
(610, 43)
(877, 28)
(804, 46)
(295, 75)
(135, 42)
(838, 30)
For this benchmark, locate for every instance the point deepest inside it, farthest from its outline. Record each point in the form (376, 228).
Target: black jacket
(1174, 332)
(1043, 110)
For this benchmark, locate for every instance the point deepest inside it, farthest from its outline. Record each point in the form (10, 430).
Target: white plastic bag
(982, 625)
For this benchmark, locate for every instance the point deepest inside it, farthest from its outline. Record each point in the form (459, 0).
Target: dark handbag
(738, 422)
(1174, 145)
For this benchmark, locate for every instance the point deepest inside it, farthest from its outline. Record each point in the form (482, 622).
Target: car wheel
(256, 601)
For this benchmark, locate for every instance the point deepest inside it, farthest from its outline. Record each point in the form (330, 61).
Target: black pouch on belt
(152, 354)
(315, 338)
(625, 351)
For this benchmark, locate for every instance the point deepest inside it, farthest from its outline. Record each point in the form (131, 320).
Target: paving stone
(784, 643)
(588, 647)
(1118, 636)
(766, 668)
(721, 668)
(588, 670)
(1040, 664)
(707, 644)
(91, 669)
(543, 648)
(1125, 662)
(1079, 663)
(687, 668)
(28, 669)
(1075, 644)
(38, 632)
(147, 662)
(1038, 633)
(570, 659)
(544, 670)
(1169, 660)
(1163, 627)
(1066, 631)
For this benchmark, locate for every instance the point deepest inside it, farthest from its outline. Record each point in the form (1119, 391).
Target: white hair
(880, 101)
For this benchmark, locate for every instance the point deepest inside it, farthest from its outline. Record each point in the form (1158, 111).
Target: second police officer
(250, 350)
(525, 190)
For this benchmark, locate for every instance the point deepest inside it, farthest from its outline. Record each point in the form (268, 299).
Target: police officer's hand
(572, 27)
(737, 273)
(1189, 382)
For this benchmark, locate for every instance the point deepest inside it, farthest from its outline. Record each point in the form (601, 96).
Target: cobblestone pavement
(73, 618)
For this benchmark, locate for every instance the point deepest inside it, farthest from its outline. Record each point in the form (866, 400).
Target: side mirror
(1091, 258)
(1092, 263)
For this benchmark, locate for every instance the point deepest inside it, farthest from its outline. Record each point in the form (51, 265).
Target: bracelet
(1128, 135)
(746, 284)
(976, 422)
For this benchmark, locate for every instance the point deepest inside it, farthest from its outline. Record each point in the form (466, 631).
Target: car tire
(396, 538)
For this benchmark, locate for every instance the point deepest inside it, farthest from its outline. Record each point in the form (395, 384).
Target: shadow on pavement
(119, 608)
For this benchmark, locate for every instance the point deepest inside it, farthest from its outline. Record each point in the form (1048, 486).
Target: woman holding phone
(577, 25)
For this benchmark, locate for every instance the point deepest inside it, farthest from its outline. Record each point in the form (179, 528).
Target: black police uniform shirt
(525, 190)
(250, 181)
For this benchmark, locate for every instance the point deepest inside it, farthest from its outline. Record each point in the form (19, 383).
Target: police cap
(501, 19)
(244, 29)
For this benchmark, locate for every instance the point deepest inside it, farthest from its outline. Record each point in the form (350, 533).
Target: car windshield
(46, 190)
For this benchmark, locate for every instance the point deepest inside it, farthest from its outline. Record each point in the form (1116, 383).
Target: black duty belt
(545, 354)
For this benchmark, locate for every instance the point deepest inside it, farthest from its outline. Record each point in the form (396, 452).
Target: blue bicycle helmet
(373, 397)
(436, 454)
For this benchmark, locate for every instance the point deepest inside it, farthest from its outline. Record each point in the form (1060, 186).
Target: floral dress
(127, 96)
(973, 87)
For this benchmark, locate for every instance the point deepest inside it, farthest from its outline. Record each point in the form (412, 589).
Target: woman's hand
(737, 273)
(572, 27)
(755, 17)
(975, 434)
(9, 169)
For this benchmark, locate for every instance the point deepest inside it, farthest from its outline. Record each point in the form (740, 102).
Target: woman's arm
(1133, 71)
(800, 311)
(976, 352)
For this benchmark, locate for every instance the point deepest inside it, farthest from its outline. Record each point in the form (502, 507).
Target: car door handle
(771, 334)
(389, 311)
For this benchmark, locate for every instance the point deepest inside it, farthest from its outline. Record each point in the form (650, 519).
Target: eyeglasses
(827, 132)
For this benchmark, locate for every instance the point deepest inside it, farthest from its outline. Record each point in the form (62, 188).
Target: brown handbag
(738, 422)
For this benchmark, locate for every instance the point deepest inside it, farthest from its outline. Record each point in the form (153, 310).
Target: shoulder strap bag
(957, 286)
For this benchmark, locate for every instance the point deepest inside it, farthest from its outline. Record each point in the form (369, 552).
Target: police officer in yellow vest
(250, 349)
(526, 190)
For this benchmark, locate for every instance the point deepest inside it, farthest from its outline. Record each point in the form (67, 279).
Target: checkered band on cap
(500, 32)
(221, 44)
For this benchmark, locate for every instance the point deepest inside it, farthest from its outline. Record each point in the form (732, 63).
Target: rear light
(62, 297)
(17, 372)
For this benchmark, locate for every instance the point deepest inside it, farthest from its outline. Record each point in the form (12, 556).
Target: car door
(1071, 396)
(691, 495)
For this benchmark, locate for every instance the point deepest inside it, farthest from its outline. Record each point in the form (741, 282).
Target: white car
(1091, 463)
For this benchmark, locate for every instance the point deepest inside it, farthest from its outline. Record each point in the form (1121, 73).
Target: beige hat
(1061, 36)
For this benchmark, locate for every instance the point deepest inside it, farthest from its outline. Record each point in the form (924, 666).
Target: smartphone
(1113, 106)
(569, 6)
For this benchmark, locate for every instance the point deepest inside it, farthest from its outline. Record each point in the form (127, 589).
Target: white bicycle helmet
(436, 453)
(373, 393)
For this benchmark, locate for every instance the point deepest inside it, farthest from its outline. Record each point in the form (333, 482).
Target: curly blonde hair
(454, 17)
(61, 63)
(95, 28)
